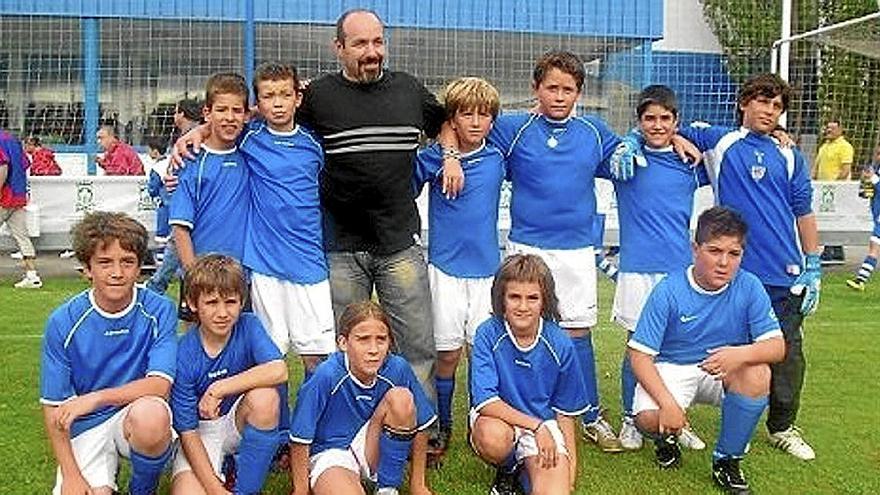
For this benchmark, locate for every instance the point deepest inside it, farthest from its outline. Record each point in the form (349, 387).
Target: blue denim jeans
(163, 275)
(401, 282)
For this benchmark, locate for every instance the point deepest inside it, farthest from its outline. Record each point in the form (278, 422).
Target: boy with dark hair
(707, 334)
(224, 399)
(525, 394)
(158, 169)
(867, 190)
(360, 415)
(108, 362)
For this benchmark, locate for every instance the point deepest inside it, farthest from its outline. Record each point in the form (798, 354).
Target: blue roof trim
(630, 19)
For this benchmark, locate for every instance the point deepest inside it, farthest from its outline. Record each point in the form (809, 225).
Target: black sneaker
(506, 483)
(667, 452)
(437, 446)
(228, 469)
(729, 476)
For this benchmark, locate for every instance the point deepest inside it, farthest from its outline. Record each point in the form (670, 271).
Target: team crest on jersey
(758, 169)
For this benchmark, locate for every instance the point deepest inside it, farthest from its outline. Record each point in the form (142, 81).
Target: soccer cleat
(29, 283)
(630, 438)
(791, 441)
(506, 483)
(16, 255)
(689, 440)
(67, 253)
(602, 434)
(729, 476)
(228, 470)
(387, 491)
(667, 452)
(856, 284)
(438, 445)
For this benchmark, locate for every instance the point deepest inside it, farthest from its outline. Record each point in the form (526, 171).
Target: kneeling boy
(707, 334)
(224, 399)
(358, 414)
(525, 382)
(108, 361)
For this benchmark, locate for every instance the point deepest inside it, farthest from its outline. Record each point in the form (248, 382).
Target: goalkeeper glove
(627, 154)
(809, 284)
(866, 188)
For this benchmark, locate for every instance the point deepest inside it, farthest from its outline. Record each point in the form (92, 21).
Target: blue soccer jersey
(875, 202)
(87, 349)
(540, 380)
(654, 212)
(463, 232)
(681, 321)
(284, 237)
(769, 185)
(332, 406)
(552, 166)
(212, 201)
(249, 345)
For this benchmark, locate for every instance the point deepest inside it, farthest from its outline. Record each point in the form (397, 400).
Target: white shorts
(687, 383)
(574, 272)
(97, 450)
(630, 295)
(459, 306)
(524, 442)
(219, 436)
(297, 316)
(354, 458)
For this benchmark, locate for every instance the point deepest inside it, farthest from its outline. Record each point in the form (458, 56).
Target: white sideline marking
(21, 336)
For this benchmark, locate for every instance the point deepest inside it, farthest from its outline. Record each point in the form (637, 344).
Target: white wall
(685, 29)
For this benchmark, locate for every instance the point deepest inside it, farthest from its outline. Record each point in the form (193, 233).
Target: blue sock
(283, 414)
(627, 384)
(739, 416)
(393, 451)
(583, 348)
(445, 389)
(255, 454)
(145, 471)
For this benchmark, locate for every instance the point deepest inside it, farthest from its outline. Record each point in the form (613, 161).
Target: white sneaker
(29, 283)
(689, 440)
(387, 491)
(630, 438)
(67, 253)
(791, 441)
(16, 255)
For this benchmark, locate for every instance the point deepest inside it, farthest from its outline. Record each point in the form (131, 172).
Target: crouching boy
(225, 399)
(525, 386)
(707, 334)
(108, 361)
(360, 414)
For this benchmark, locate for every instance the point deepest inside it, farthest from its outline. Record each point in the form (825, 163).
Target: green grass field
(839, 414)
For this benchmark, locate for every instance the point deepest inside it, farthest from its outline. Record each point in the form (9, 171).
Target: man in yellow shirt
(835, 157)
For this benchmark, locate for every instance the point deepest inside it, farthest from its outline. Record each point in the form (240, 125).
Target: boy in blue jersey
(162, 277)
(224, 399)
(769, 185)
(463, 251)
(867, 190)
(523, 399)
(108, 362)
(360, 414)
(654, 211)
(707, 334)
(212, 193)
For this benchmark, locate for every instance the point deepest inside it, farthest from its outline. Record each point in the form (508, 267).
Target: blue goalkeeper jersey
(552, 166)
(769, 185)
(86, 349)
(332, 405)
(212, 201)
(463, 232)
(681, 321)
(284, 237)
(248, 345)
(540, 380)
(654, 212)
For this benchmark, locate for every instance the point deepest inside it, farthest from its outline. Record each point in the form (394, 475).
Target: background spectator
(119, 158)
(42, 159)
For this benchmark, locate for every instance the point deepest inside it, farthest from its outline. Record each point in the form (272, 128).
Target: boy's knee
(262, 406)
(751, 381)
(647, 421)
(492, 438)
(401, 408)
(147, 426)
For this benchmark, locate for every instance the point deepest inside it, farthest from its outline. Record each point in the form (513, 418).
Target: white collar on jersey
(120, 314)
(665, 149)
(700, 290)
(283, 133)
(354, 378)
(530, 346)
(219, 152)
(474, 151)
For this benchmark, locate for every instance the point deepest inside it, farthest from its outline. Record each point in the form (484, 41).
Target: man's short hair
(215, 273)
(225, 83)
(525, 268)
(359, 312)
(157, 143)
(720, 221)
(33, 140)
(275, 71)
(191, 108)
(657, 94)
(340, 32)
(566, 62)
(471, 93)
(766, 85)
(101, 228)
(109, 129)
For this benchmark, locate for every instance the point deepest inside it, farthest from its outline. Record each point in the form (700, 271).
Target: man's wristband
(450, 152)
